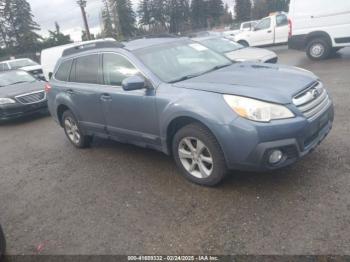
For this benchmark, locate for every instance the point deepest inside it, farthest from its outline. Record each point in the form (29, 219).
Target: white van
(319, 26)
(50, 56)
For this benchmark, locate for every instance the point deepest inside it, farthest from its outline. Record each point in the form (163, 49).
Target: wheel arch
(179, 122)
(318, 34)
(60, 110)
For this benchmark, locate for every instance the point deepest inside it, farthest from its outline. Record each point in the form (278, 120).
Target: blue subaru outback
(181, 98)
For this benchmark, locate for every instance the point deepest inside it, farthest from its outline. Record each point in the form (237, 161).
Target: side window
(246, 26)
(2, 67)
(116, 68)
(264, 24)
(63, 71)
(86, 69)
(281, 20)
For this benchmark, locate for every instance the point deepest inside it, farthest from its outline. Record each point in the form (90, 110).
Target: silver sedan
(237, 52)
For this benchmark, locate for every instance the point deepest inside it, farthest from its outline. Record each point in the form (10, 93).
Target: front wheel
(73, 131)
(198, 155)
(243, 43)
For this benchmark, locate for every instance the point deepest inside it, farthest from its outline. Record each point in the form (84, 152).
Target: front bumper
(12, 111)
(253, 142)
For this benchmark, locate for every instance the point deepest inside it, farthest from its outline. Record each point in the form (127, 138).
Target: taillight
(290, 25)
(47, 88)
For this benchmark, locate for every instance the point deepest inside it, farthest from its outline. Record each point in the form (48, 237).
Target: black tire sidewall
(326, 45)
(2, 243)
(202, 133)
(84, 140)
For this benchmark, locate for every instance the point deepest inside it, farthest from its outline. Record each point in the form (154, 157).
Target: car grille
(31, 98)
(313, 101)
(272, 60)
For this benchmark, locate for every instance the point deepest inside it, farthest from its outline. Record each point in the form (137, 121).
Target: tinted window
(264, 24)
(3, 67)
(86, 69)
(116, 68)
(63, 71)
(281, 20)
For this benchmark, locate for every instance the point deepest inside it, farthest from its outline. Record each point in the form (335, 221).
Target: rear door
(281, 29)
(130, 115)
(84, 92)
(263, 33)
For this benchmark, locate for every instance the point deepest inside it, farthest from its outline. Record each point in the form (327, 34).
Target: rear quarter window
(87, 69)
(63, 71)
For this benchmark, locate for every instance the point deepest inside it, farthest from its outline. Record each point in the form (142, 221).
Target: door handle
(269, 31)
(106, 97)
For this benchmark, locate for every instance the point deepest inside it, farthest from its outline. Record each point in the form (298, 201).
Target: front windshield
(221, 45)
(177, 61)
(14, 77)
(21, 63)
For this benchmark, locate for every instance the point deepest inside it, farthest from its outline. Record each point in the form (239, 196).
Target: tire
(2, 243)
(197, 155)
(74, 132)
(318, 49)
(243, 43)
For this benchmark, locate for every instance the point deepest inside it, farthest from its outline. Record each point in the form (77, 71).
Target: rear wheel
(73, 131)
(198, 155)
(318, 49)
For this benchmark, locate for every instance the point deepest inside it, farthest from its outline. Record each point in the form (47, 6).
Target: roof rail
(90, 46)
(149, 36)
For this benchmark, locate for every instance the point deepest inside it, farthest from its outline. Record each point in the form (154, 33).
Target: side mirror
(50, 75)
(134, 83)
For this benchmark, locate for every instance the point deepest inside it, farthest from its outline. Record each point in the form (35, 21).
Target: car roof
(148, 42)
(12, 60)
(207, 38)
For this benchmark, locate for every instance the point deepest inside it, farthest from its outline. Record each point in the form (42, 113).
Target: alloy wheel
(195, 157)
(72, 130)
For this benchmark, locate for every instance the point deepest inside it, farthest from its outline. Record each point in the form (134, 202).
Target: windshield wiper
(19, 82)
(183, 78)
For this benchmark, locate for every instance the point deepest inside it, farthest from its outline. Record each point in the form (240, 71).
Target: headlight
(256, 110)
(4, 101)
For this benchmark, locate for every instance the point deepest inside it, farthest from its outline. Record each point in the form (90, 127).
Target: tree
(107, 30)
(199, 11)
(226, 18)
(243, 10)
(56, 38)
(21, 28)
(214, 11)
(144, 12)
(124, 17)
(263, 8)
(179, 15)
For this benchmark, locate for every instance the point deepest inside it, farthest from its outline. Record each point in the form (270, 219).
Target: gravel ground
(120, 199)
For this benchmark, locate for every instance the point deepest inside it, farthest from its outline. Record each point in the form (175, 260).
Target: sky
(68, 15)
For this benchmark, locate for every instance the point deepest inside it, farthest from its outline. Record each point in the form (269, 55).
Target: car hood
(20, 89)
(31, 68)
(251, 54)
(273, 83)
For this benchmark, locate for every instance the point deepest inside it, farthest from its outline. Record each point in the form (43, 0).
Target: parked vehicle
(25, 64)
(319, 31)
(237, 52)
(50, 56)
(179, 97)
(271, 30)
(2, 243)
(20, 94)
(245, 26)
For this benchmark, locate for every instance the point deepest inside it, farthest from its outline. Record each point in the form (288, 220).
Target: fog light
(275, 157)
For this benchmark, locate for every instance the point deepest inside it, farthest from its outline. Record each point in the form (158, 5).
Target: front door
(130, 115)
(263, 33)
(281, 30)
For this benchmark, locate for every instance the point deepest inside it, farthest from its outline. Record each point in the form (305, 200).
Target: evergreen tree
(179, 15)
(243, 10)
(144, 12)
(21, 26)
(227, 18)
(215, 11)
(108, 30)
(56, 38)
(124, 17)
(199, 14)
